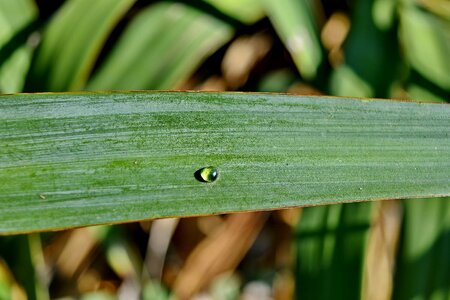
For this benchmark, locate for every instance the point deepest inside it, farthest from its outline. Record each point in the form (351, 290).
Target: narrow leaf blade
(70, 47)
(80, 159)
(160, 48)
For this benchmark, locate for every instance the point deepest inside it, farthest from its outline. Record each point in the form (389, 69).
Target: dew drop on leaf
(207, 174)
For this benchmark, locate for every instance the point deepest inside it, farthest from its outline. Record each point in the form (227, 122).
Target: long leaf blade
(81, 159)
(330, 239)
(71, 43)
(423, 263)
(160, 48)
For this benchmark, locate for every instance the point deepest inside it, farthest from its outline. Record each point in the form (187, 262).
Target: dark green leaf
(423, 268)
(331, 241)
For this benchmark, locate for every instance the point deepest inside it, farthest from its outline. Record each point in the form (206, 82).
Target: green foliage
(80, 159)
(160, 48)
(66, 56)
(423, 258)
(294, 21)
(115, 157)
(15, 56)
(332, 239)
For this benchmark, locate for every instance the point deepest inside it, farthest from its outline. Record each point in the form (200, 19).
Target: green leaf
(246, 11)
(295, 24)
(346, 82)
(331, 239)
(426, 40)
(160, 48)
(418, 92)
(423, 267)
(15, 57)
(16, 251)
(371, 52)
(71, 43)
(154, 290)
(276, 81)
(81, 159)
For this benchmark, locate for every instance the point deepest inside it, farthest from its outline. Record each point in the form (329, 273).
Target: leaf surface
(93, 158)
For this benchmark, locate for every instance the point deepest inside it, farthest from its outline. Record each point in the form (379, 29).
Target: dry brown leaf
(220, 252)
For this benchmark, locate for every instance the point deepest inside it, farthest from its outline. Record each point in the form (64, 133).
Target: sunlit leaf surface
(79, 159)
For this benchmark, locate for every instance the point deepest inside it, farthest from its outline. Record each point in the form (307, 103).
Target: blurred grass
(97, 158)
(295, 24)
(160, 47)
(65, 57)
(16, 20)
(332, 239)
(423, 257)
(377, 48)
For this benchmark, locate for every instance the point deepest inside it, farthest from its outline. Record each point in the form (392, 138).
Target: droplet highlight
(207, 174)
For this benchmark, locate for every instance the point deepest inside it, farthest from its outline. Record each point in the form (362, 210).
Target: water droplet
(207, 174)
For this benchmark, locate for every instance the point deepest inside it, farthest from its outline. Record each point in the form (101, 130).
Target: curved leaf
(294, 22)
(160, 48)
(16, 19)
(71, 43)
(426, 39)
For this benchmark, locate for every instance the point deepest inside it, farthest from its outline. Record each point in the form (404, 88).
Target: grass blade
(160, 48)
(371, 52)
(246, 11)
(70, 47)
(295, 24)
(330, 239)
(16, 17)
(426, 39)
(81, 159)
(423, 268)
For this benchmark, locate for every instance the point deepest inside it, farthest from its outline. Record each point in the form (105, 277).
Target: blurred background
(368, 48)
